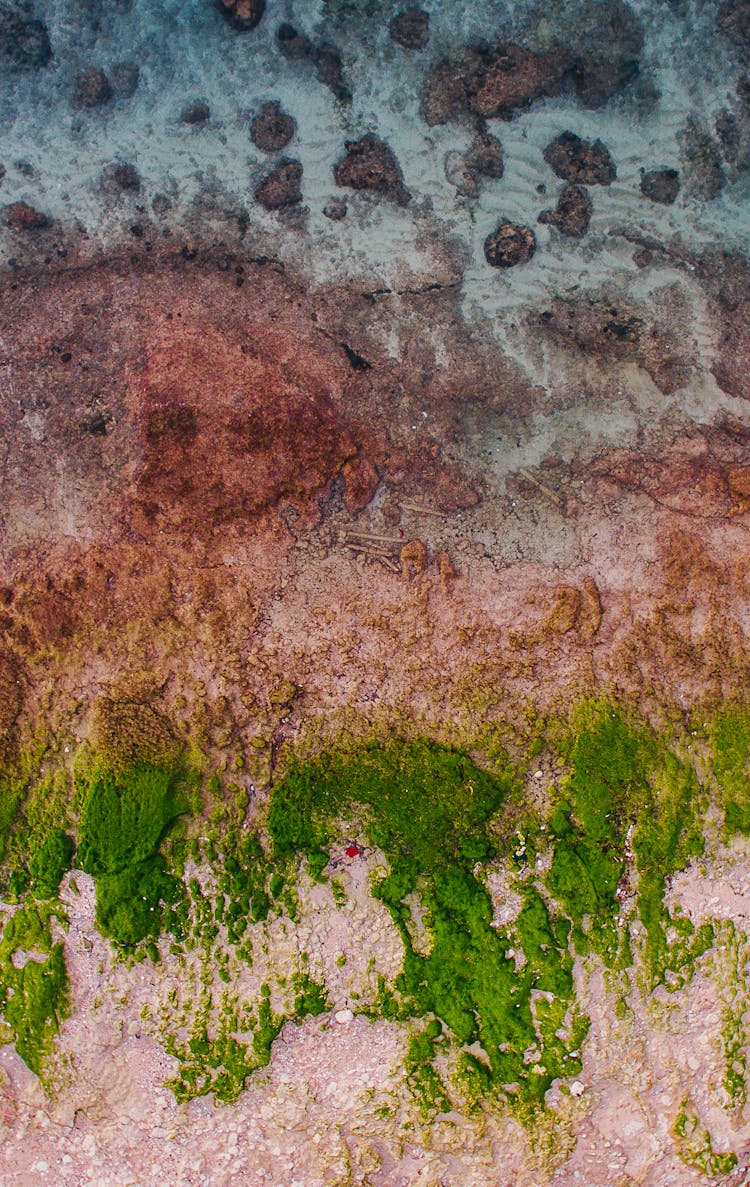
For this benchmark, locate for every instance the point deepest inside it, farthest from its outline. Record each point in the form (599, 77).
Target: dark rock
(242, 14)
(272, 128)
(24, 42)
(25, 168)
(197, 112)
(325, 57)
(492, 82)
(734, 20)
(661, 185)
(92, 88)
(282, 187)
(728, 134)
(336, 209)
(572, 214)
(330, 71)
(125, 77)
(610, 37)
(19, 216)
(458, 173)
(161, 204)
(509, 244)
(120, 176)
(293, 45)
(411, 28)
(485, 157)
(702, 161)
(583, 161)
(370, 164)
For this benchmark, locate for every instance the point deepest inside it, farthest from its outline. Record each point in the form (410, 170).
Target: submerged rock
(572, 214)
(242, 14)
(509, 244)
(661, 185)
(701, 158)
(282, 187)
(272, 128)
(734, 20)
(24, 41)
(120, 176)
(20, 216)
(92, 88)
(610, 39)
(197, 112)
(411, 28)
(335, 210)
(369, 164)
(125, 77)
(325, 57)
(586, 162)
(485, 157)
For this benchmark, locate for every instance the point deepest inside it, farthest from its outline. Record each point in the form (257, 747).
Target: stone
(272, 128)
(369, 164)
(485, 156)
(734, 21)
(577, 1088)
(197, 112)
(330, 71)
(491, 82)
(661, 185)
(459, 174)
(293, 45)
(572, 214)
(413, 558)
(24, 42)
(343, 1017)
(242, 14)
(586, 162)
(509, 244)
(411, 28)
(701, 158)
(125, 77)
(120, 176)
(335, 210)
(282, 187)
(610, 36)
(92, 88)
(19, 216)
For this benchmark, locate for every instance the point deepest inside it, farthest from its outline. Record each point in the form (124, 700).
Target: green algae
(694, 1145)
(729, 736)
(33, 982)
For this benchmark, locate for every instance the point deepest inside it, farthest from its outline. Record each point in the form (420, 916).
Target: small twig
(373, 536)
(421, 510)
(368, 549)
(383, 557)
(546, 490)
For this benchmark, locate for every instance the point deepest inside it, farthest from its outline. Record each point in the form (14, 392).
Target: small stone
(19, 216)
(369, 164)
(293, 45)
(509, 244)
(120, 176)
(92, 88)
(197, 112)
(577, 1088)
(272, 128)
(125, 77)
(281, 187)
(343, 1017)
(584, 161)
(335, 210)
(242, 14)
(459, 174)
(411, 28)
(661, 185)
(572, 214)
(485, 156)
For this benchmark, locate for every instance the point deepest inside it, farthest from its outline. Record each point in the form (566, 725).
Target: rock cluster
(369, 164)
(491, 82)
(325, 57)
(24, 42)
(661, 185)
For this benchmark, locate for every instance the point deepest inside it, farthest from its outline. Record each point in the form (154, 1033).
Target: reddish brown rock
(732, 369)
(586, 162)
(572, 214)
(282, 187)
(242, 14)
(120, 176)
(19, 216)
(92, 88)
(272, 128)
(411, 28)
(661, 185)
(370, 164)
(509, 244)
(361, 482)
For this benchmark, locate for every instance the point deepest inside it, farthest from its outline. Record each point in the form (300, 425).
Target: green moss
(729, 735)
(694, 1144)
(50, 861)
(33, 996)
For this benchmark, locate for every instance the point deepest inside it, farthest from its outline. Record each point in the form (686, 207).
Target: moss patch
(33, 982)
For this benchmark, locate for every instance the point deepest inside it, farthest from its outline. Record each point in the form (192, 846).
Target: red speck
(353, 851)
